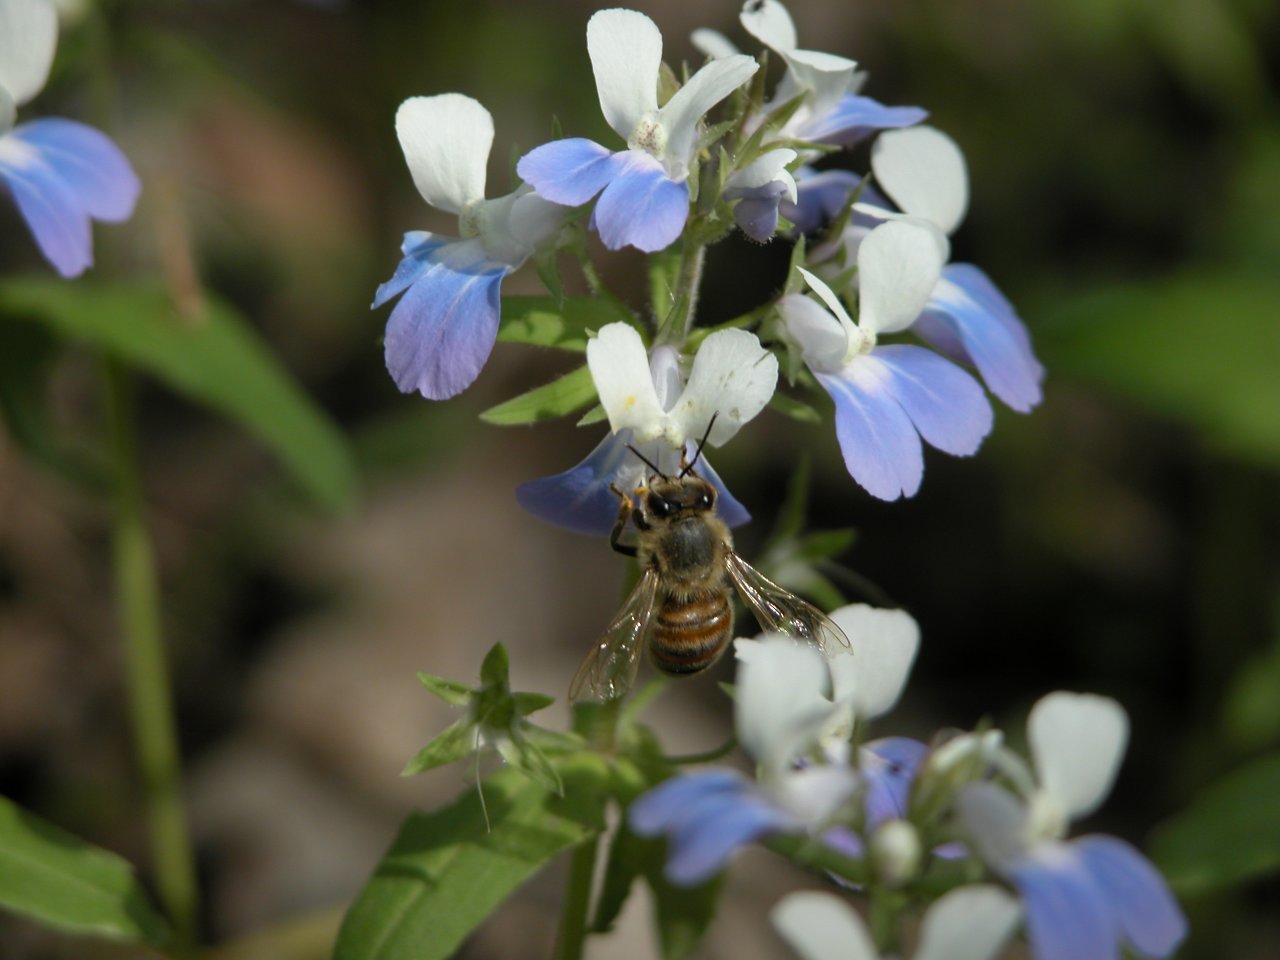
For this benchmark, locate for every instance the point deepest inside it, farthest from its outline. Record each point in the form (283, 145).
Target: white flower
(732, 379)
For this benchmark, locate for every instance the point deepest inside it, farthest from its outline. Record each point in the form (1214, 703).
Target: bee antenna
(701, 443)
(648, 463)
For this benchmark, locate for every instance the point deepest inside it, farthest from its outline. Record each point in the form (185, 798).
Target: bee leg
(625, 509)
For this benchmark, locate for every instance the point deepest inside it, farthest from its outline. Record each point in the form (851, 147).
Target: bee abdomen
(690, 635)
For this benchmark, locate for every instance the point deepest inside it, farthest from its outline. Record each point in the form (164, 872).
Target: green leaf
(1229, 834)
(450, 691)
(542, 322)
(562, 396)
(449, 869)
(214, 358)
(1202, 347)
(456, 741)
(664, 270)
(60, 880)
(824, 544)
(683, 914)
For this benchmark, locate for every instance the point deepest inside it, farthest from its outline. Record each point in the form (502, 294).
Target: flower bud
(895, 852)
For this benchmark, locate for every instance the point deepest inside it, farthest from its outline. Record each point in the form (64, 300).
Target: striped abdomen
(690, 635)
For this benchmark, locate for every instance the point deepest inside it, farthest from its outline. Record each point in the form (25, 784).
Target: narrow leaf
(1229, 834)
(214, 358)
(571, 392)
(550, 322)
(793, 408)
(449, 869)
(60, 880)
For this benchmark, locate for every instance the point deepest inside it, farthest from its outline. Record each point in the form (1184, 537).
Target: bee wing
(609, 668)
(779, 609)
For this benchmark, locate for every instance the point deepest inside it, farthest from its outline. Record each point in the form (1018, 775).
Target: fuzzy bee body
(681, 608)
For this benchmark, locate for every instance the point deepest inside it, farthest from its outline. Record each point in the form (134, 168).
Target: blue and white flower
(644, 190)
(887, 397)
(580, 499)
(62, 174)
(1087, 897)
(441, 332)
(968, 923)
(793, 710)
(966, 318)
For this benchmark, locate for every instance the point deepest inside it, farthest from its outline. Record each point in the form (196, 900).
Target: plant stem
(150, 700)
(577, 901)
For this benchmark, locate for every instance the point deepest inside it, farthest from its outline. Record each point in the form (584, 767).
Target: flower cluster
(60, 173)
(698, 158)
(895, 812)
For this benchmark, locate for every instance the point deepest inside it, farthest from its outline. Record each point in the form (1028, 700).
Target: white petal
(28, 36)
(819, 286)
(898, 264)
(996, 823)
(626, 55)
(884, 647)
(712, 43)
(822, 338)
(533, 220)
(826, 76)
(820, 926)
(969, 923)
(770, 23)
(1077, 741)
(446, 141)
(620, 370)
(815, 794)
(664, 367)
(769, 166)
(680, 115)
(924, 172)
(780, 688)
(732, 379)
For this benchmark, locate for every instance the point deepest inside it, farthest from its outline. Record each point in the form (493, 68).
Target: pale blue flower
(887, 397)
(1084, 898)
(644, 193)
(60, 173)
(441, 332)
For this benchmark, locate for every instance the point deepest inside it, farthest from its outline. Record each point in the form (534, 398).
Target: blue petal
(888, 767)
(88, 162)
(641, 207)
(757, 211)
(821, 197)
(970, 319)
(666, 806)
(1137, 897)
(417, 249)
(52, 210)
(580, 499)
(571, 171)
(881, 448)
(854, 117)
(946, 405)
(441, 332)
(714, 829)
(1067, 915)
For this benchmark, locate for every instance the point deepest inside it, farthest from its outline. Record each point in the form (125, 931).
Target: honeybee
(680, 609)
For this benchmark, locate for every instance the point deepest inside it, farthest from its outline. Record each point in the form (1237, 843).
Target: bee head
(667, 498)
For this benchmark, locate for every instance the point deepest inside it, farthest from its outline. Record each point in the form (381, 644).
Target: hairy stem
(150, 700)
(577, 902)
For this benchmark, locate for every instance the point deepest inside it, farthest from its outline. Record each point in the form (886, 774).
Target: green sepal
(793, 408)
(560, 397)
(496, 667)
(595, 415)
(450, 691)
(54, 878)
(456, 741)
(522, 754)
(564, 324)
(527, 703)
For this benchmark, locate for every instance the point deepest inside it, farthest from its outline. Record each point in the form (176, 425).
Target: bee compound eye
(704, 501)
(661, 507)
